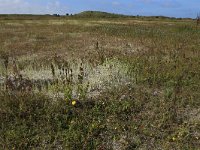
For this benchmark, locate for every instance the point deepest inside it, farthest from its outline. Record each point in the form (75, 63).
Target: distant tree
(198, 19)
(67, 14)
(56, 15)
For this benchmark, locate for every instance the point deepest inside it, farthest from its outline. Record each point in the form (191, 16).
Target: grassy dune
(99, 83)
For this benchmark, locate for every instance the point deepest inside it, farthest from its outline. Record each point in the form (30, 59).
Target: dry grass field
(119, 83)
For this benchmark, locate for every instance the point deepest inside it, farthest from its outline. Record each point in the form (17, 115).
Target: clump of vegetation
(92, 83)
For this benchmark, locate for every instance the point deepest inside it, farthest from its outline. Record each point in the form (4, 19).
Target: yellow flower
(93, 125)
(73, 103)
(173, 138)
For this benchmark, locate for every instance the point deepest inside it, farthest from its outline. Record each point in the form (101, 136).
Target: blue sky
(174, 8)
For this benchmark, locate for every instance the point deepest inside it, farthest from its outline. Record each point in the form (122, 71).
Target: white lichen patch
(111, 73)
(56, 22)
(75, 35)
(37, 74)
(102, 22)
(82, 23)
(15, 24)
(194, 115)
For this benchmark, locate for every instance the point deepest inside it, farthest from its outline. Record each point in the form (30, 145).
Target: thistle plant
(52, 70)
(81, 74)
(101, 53)
(198, 19)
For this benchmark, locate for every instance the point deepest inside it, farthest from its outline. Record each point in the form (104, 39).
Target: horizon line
(127, 15)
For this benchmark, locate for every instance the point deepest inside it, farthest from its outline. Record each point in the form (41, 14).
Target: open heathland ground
(85, 82)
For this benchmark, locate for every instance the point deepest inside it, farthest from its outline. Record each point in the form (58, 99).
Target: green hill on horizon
(99, 14)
